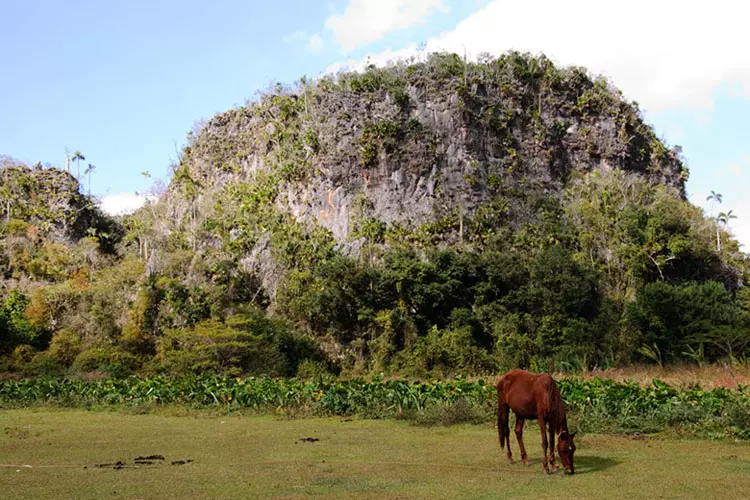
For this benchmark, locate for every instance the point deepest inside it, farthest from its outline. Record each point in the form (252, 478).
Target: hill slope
(425, 217)
(430, 152)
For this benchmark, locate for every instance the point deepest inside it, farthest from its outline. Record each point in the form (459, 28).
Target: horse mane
(557, 411)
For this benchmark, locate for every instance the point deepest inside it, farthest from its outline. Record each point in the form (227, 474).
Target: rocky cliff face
(436, 150)
(47, 198)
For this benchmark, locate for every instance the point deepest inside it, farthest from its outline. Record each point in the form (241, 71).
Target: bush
(448, 352)
(113, 360)
(22, 355)
(736, 417)
(676, 319)
(64, 348)
(309, 370)
(44, 365)
(15, 327)
(460, 411)
(247, 343)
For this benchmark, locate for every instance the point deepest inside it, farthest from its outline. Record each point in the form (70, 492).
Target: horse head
(566, 448)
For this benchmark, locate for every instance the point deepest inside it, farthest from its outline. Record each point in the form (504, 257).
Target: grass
(263, 457)
(679, 376)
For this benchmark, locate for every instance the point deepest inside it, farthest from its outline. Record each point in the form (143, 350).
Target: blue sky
(124, 82)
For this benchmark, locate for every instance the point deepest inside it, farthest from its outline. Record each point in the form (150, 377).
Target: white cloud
(740, 226)
(735, 168)
(664, 54)
(379, 59)
(315, 43)
(367, 21)
(122, 203)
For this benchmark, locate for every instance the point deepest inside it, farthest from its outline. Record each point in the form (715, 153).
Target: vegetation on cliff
(429, 217)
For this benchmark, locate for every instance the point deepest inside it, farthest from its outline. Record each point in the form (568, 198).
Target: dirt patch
(140, 461)
(116, 466)
(18, 432)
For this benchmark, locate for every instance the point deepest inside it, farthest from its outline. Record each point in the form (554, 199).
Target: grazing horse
(535, 396)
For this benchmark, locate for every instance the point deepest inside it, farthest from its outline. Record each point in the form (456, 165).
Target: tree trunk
(718, 239)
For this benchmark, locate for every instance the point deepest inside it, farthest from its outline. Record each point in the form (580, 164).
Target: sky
(124, 82)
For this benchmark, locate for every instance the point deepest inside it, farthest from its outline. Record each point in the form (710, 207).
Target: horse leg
(519, 437)
(554, 466)
(544, 444)
(503, 428)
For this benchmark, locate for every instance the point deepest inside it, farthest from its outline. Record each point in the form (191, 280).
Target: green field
(264, 457)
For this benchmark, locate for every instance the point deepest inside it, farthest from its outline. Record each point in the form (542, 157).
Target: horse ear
(573, 435)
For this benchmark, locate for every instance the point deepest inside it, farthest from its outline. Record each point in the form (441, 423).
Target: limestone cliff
(438, 150)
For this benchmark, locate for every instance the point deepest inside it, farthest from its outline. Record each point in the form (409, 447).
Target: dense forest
(433, 217)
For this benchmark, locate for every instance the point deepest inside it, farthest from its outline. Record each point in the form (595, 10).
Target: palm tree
(88, 171)
(723, 218)
(714, 197)
(77, 157)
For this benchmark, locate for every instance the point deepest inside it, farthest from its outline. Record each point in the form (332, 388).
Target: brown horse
(533, 396)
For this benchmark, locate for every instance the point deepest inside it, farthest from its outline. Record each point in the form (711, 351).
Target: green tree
(714, 197)
(722, 218)
(674, 321)
(89, 170)
(77, 157)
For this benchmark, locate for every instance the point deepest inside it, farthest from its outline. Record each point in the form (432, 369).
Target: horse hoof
(546, 471)
(510, 461)
(527, 462)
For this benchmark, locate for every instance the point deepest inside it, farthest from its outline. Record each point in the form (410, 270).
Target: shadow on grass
(588, 464)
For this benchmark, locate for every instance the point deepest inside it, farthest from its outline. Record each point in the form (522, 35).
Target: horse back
(529, 395)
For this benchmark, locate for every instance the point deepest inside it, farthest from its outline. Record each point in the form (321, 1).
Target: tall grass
(596, 405)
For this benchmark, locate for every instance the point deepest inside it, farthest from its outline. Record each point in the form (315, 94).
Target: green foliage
(460, 411)
(49, 200)
(445, 66)
(447, 352)
(15, 327)
(139, 332)
(594, 405)
(377, 136)
(65, 348)
(248, 343)
(111, 360)
(675, 319)
(557, 235)
(634, 233)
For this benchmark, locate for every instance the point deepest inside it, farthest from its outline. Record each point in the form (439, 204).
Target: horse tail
(503, 430)
(557, 409)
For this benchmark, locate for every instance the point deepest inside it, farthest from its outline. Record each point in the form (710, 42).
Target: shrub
(310, 369)
(246, 343)
(44, 365)
(459, 411)
(113, 360)
(449, 352)
(64, 348)
(673, 318)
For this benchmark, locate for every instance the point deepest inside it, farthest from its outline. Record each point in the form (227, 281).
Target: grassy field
(265, 457)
